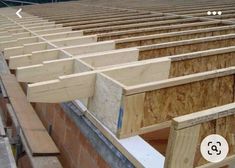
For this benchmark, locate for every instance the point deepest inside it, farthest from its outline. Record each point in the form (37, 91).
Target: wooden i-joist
(134, 71)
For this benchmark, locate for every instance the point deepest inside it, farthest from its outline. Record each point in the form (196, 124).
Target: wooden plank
(36, 161)
(74, 41)
(181, 147)
(51, 70)
(204, 116)
(90, 48)
(53, 30)
(134, 107)
(47, 71)
(63, 89)
(36, 57)
(38, 140)
(108, 58)
(60, 35)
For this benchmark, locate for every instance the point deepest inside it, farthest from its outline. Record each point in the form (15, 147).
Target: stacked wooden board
(136, 69)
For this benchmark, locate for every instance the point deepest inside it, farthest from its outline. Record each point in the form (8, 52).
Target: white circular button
(209, 13)
(219, 13)
(214, 148)
(214, 12)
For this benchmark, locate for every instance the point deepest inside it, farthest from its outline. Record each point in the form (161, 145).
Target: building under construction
(116, 84)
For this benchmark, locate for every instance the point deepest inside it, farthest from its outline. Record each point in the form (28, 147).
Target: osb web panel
(174, 38)
(148, 54)
(225, 127)
(201, 64)
(164, 104)
(110, 36)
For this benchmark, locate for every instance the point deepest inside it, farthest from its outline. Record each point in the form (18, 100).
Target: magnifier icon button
(214, 148)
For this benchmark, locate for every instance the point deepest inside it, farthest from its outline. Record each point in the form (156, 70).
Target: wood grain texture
(37, 138)
(158, 39)
(106, 101)
(181, 147)
(133, 114)
(164, 104)
(222, 126)
(201, 64)
(154, 30)
(181, 49)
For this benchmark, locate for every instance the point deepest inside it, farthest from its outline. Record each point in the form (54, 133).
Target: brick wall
(76, 150)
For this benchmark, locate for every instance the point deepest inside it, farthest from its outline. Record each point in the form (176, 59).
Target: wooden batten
(47, 71)
(83, 63)
(26, 49)
(43, 27)
(64, 89)
(74, 41)
(53, 30)
(54, 36)
(16, 43)
(37, 57)
(90, 48)
(29, 48)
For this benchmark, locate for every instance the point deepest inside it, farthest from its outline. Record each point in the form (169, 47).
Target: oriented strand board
(201, 64)
(187, 48)
(164, 104)
(154, 30)
(159, 39)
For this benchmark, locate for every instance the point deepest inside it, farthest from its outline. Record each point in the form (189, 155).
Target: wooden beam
(25, 49)
(29, 48)
(50, 90)
(36, 57)
(90, 48)
(46, 71)
(54, 36)
(19, 42)
(53, 30)
(75, 41)
(42, 71)
(63, 89)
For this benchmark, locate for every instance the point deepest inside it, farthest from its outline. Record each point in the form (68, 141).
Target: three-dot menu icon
(214, 13)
